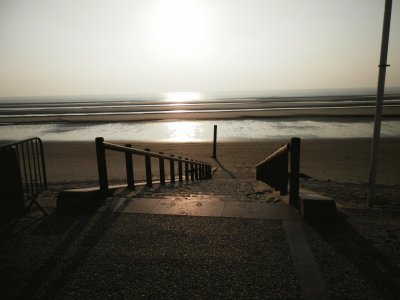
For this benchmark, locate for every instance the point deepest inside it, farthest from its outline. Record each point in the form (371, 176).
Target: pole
(215, 142)
(101, 164)
(129, 169)
(379, 101)
(294, 171)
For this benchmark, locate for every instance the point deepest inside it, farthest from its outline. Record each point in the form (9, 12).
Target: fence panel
(30, 167)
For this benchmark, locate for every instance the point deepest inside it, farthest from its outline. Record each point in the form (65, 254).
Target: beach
(339, 160)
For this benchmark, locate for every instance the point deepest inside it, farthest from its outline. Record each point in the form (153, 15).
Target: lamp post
(379, 101)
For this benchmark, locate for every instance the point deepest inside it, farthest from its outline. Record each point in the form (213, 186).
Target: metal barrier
(274, 170)
(31, 170)
(193, 170)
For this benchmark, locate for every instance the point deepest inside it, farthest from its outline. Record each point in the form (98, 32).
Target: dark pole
(161, 167)
(101, 164)
(180, 169)
(294, 171)
(147, 161)
(186, 169)
(379, 101)
(172, 169)
(129, 168)
(215, 142)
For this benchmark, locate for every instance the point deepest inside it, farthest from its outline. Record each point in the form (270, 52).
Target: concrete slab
(202, 206)
(171, 206)
(136, 205)
(260, 211)
(314, 206)
(310, 279)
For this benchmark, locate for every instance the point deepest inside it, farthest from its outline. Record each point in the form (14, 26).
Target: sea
(83, 118)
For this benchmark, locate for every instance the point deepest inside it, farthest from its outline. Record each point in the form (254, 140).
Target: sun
(177, 28)
(177, 97)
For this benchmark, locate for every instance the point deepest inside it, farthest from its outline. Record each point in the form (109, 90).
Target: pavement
(228, 238)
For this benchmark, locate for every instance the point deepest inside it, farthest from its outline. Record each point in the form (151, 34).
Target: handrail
(31, 167)
(274, 170)
(141, 152)
(197, 170)
(283, 149)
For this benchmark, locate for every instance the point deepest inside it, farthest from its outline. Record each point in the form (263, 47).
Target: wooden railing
(274, 170)
(192, 170)
(25, 162)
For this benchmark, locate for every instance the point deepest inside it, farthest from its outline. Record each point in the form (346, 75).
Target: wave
(14, 112)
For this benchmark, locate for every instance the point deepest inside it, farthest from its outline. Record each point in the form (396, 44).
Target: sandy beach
(339, 160)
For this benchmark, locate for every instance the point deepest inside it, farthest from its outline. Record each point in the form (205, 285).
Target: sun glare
(183, 131)
(177, 28)
(182, 96)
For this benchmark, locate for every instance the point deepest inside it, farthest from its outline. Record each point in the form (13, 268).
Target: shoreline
(122, 110)
(290, 113)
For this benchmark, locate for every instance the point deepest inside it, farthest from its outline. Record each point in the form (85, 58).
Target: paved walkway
(151, 243)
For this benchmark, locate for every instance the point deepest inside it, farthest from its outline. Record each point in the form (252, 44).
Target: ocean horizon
(190, 116)
(201, 95)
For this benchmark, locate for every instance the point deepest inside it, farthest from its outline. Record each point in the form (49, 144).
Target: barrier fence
(23, 174)
(275, 171)
(190, 169)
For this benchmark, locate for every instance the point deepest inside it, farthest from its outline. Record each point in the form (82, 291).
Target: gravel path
(125, 256)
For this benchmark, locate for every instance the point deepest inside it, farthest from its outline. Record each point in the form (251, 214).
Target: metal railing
(32, 170)
(274, 170)
(192, 170)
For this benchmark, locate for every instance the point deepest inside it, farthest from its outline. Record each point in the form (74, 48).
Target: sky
(97, 47)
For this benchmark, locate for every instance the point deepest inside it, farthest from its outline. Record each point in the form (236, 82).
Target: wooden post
(162, 169)
(196, 169)
(294, 171)
(284, 173)
(101, 164)
(147, 161)
(172, 169)
(191, 169)
(129, 169)
(180, 169)
(202, 170)
(215, 142)
(186, 169)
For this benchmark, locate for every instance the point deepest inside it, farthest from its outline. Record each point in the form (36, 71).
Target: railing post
(186, 169)
(101, 164)
(294, 171)
(43, 163)
(191, 169)
(201, 170)
(162, 170)
(196, 169)
(172, 168)
(284, 173)
(215, 142)
(180, 169)
(147, 161)
(129, 169)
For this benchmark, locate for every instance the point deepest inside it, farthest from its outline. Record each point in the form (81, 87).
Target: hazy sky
(72, 47)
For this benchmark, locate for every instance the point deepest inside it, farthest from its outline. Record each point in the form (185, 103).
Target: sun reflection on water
(184, 131)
